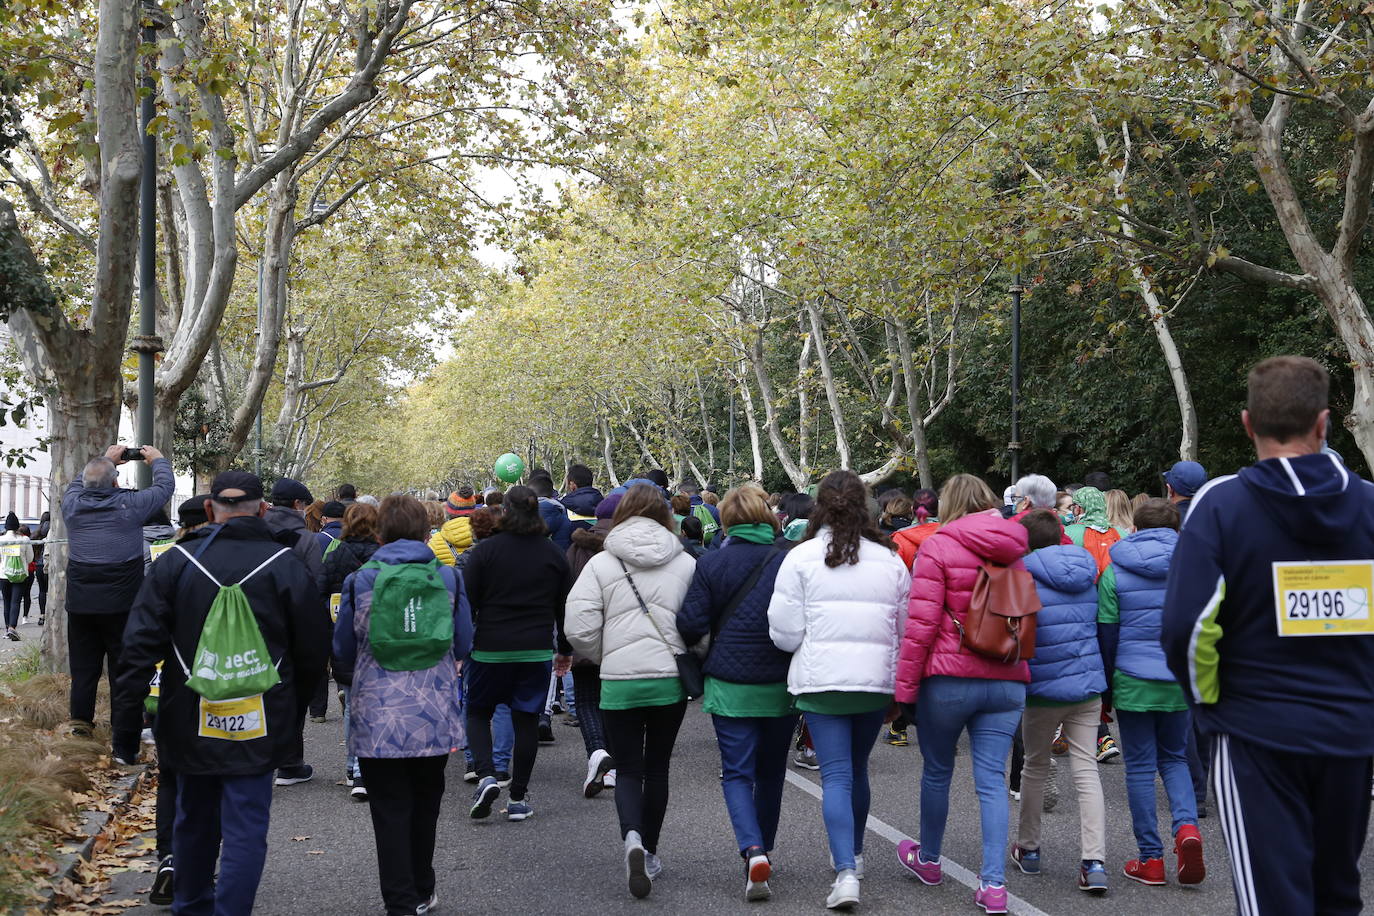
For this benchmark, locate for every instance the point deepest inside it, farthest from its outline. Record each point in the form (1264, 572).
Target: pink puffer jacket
(943, 577)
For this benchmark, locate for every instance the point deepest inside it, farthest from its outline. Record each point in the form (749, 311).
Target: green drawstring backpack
(231, 657)
(410, 626)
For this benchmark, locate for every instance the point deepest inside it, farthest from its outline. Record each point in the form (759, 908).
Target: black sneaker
(503, 779)
(161, 892)
(545, 730)
(359, 791)
(291, 776)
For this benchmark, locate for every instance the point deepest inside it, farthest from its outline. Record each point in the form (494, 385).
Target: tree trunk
(279, 237)
(607, 452)
(913, 405)
(751, 421)
(1187, 443)
(832, 392)
(770, 412)
(82, 424)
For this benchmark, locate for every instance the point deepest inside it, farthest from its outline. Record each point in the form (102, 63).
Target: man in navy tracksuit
(1267, 624)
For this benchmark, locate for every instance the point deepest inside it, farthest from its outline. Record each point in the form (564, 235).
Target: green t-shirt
(842, 702)
(642, 691)
(746, 701)
(1134, 694)
(512, 655)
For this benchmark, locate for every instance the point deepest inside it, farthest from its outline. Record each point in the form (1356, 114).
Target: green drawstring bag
(231, 657)
(410, 626)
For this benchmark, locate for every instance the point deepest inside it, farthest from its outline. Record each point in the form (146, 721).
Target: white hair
(99, 472)
(1037, 488)
(369, 500)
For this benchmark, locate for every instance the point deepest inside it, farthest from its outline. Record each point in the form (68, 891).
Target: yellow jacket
(452, 539)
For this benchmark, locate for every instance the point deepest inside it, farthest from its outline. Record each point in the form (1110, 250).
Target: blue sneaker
(519, 810)
(1092, 877)
(1028, 860)
(486, 795)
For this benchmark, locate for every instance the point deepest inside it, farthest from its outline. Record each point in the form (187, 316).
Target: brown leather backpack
(1000, 624)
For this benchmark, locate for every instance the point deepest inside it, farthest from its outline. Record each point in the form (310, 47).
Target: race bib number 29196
(1324, 599)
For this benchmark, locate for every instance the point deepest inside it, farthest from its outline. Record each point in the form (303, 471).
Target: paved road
(567, 859)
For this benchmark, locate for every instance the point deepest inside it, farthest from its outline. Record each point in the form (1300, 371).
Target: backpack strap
(738, 597)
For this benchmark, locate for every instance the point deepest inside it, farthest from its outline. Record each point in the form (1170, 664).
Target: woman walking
(586, 674)
(837, 605)
(622, 615)
(16, 556)
(356, 544)
(953, 688)
(517, 581)
(403, 710)
(746, 675)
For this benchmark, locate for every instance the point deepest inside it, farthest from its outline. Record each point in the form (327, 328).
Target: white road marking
(951, 868)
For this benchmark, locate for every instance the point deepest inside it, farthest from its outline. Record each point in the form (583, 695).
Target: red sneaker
(1188, 845)
(1148, 871)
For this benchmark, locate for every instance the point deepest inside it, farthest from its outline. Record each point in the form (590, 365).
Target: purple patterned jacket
(401, 713)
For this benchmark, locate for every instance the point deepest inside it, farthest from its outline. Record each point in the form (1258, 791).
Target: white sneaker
(598, 764)
(757, 871)
(653, 866)
(635, 871)
(844, 893)
(858, 864)
(609, 779)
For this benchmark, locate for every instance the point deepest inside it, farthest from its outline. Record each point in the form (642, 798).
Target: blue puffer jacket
(556, 517)
(400, 713)
(1141, 563)
(1067, 667)
(742, 652)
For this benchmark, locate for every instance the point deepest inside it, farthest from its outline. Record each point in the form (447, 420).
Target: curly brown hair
(360, 521)
(842, 504)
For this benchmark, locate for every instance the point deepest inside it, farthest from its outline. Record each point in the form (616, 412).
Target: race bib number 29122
(1324, 598)
(233, 720)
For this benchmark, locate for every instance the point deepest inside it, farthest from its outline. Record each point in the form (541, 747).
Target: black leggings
(42, 591)
(9, 591)
(587, 696)
(642, 742)
(526, 726)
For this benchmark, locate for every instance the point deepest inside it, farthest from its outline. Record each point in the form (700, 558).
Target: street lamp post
(1015, 445)
(147, 344)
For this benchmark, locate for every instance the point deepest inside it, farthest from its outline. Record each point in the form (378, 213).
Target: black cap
(248, 485)
(333, 509)
(11, 522)
(288, 490)
(192, 512)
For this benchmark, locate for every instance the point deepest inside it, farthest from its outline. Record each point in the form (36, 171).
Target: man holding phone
(105, 565)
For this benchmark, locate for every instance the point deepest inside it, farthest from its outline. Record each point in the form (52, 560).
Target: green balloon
(509, 467)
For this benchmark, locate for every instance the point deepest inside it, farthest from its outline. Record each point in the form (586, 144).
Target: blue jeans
(232, 810)
(991, 711)
(1156, 741)
(753, 760)
(843, 744)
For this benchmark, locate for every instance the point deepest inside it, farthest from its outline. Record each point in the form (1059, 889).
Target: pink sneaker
(909, 854)
(992, 898)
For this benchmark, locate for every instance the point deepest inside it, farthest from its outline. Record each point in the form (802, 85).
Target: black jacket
(345, 560)
(288, 528)
(170, 611)
(517, 585)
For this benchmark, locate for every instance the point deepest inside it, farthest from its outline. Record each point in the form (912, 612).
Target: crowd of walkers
(814, 622)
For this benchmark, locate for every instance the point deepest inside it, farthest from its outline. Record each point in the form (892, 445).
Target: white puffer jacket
(843, 624)
(604, 621)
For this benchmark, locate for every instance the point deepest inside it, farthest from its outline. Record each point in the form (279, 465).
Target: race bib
(157, 550)
(155, 685)
(242, 719)
(334, 600)
(1324, 599)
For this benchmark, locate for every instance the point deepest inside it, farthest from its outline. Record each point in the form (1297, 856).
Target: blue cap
(1186, 477)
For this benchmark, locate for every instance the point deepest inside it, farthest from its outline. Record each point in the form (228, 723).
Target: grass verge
(43, 771)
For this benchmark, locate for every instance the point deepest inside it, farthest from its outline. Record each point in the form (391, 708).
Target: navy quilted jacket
(743, 652)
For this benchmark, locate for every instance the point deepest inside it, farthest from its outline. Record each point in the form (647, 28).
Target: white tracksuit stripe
(1233, 827)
